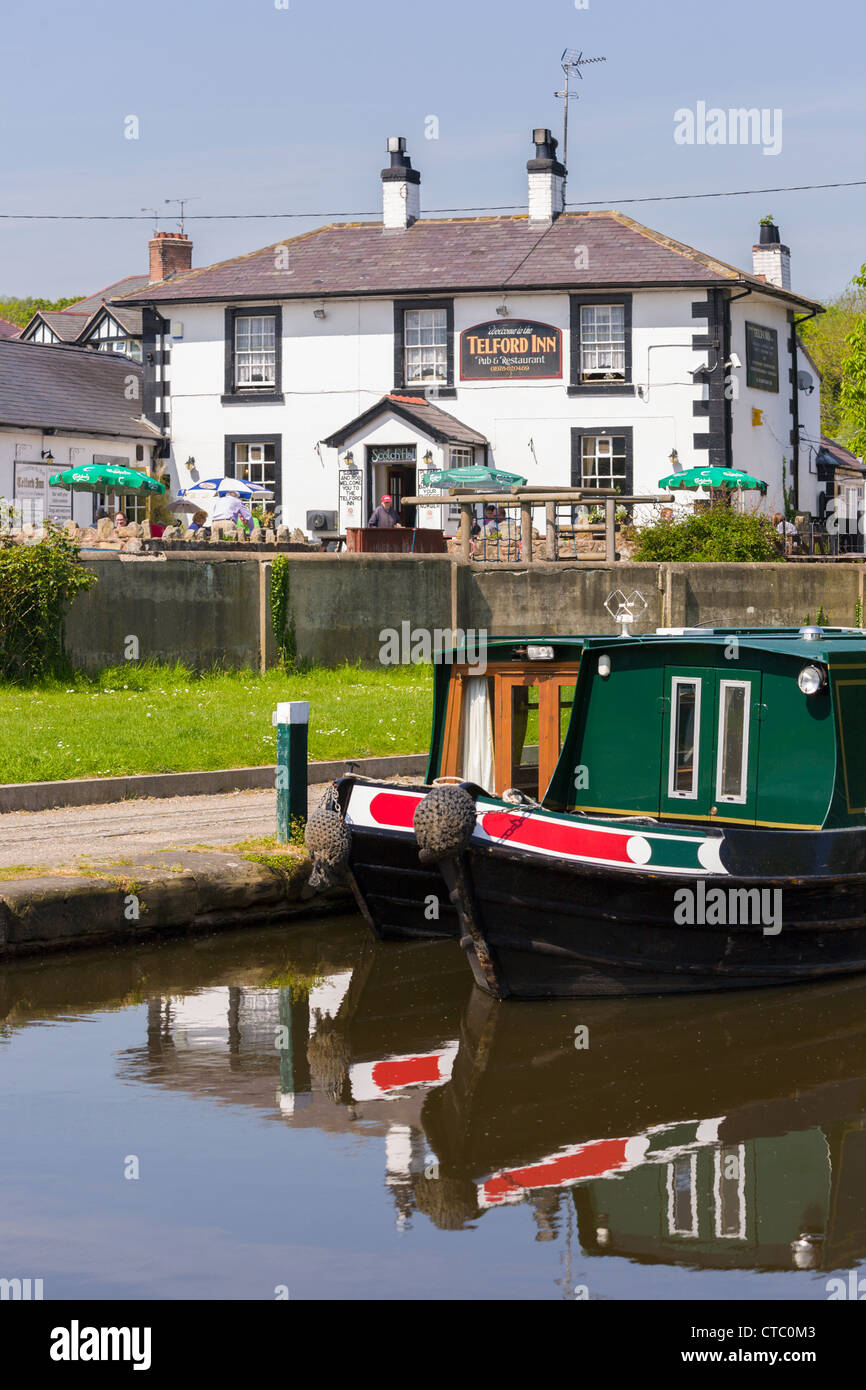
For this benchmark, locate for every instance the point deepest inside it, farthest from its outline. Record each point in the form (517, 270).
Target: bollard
(291, 720)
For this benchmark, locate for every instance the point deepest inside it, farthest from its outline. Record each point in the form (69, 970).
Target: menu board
(35, 499)
(762, 357)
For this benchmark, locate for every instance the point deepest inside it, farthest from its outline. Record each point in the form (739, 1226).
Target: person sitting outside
(786, 530)
(199, 519)
(385, 516)
(231, 508)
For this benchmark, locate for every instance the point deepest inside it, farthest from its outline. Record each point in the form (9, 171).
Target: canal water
(299, 1112)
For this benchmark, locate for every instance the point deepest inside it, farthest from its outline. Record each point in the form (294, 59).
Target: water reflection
(724, 1132)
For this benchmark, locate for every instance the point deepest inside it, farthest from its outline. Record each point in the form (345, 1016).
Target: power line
(497, 207)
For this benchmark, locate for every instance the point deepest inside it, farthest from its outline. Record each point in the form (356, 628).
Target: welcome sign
(510, 348)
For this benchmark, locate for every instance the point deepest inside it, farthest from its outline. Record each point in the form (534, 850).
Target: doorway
(710, 744)
(392, 469)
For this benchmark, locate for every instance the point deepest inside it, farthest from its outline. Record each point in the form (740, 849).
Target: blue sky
(244, 107)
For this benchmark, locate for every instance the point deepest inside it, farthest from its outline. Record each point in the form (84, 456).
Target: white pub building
(571, 348)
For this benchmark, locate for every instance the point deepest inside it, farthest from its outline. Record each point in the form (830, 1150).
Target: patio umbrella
(477, 477)
(731, 478)
(105, 477)
(220, 487)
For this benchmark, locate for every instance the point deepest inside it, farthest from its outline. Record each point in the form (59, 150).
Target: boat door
(710, 744)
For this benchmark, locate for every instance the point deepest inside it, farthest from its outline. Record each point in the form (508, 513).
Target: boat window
(731, 784)
(685, 723)
(729, 1194)
(682, 1195)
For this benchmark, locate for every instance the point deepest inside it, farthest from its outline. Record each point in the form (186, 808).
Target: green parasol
(692, 478)
(472, 477)
(105, 477)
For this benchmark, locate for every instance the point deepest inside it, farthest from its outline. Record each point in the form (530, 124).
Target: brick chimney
(770, 258)
(170, 254)
(546, 179)
(401, 188)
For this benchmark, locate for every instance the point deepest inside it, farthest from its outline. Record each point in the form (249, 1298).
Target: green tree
(21, 311)
(826, 339)
(852, 397)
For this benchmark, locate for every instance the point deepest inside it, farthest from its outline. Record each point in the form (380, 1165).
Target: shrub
(714, 533)
(36, 584)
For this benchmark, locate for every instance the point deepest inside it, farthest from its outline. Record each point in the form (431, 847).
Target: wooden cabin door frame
(550, 680)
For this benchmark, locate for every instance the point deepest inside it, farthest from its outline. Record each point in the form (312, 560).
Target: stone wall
(210, 611)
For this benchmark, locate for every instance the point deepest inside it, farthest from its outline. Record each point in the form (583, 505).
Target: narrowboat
(752, 1160)
(678, 811)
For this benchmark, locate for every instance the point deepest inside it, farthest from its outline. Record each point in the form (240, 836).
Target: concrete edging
(193, 891)
(99, 791)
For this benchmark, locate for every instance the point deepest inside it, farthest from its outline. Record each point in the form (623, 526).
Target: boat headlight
(811, 680)
(539, 653)
(604, 666)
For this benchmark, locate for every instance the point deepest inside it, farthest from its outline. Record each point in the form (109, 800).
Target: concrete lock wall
(203, 613)
(210, 612)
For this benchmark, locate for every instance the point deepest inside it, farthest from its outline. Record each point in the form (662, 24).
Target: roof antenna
(181, 202)
(155, 218)
(572, 60)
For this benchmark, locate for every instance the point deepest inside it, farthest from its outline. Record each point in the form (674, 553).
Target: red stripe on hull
(557, 838)
(591, 1162)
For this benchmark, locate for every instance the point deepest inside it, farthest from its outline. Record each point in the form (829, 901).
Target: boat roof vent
(811, 634)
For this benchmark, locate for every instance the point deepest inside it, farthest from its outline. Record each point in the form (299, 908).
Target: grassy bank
(151, 718)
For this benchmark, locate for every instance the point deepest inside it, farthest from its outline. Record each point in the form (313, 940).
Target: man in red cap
(384, 515)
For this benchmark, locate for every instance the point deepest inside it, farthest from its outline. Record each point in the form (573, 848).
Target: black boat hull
(566, 930)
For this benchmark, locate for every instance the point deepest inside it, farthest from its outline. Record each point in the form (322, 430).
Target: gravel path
(72, 833)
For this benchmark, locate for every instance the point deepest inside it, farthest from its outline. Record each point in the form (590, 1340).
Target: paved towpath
(51, 839)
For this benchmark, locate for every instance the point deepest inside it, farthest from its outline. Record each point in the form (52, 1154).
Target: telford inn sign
(510, 348)
(762, 357)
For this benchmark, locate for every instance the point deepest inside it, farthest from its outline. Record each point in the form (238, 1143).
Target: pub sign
(762, 357)
(505, 348)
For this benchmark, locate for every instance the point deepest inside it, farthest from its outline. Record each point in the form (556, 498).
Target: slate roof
(454, 255)
(129, 320)
(837, 456)
(66, 324)
(9, 330)
(70, 389)
(434, 423)
(96, 301)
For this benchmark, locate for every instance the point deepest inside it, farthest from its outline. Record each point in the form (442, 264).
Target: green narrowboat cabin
(684, 810)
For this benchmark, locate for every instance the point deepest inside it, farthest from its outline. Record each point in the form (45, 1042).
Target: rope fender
(328, 841)
(444, 822)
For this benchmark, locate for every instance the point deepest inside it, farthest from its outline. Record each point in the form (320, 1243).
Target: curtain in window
(477, 751)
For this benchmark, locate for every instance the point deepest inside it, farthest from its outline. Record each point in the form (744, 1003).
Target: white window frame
(673, 791)
(673, 1229)
(419, 356)
(740, 1233)
(720, 747)
(244, 357)
(594, 347)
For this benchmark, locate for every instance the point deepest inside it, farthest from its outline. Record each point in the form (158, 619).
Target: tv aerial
(571, 61)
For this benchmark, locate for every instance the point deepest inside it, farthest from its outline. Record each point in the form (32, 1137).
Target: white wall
(335, 368)
(68, 450)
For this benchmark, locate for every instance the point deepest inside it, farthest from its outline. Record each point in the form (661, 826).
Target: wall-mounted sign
(510, 348)
(34, 499)
(762, 357)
